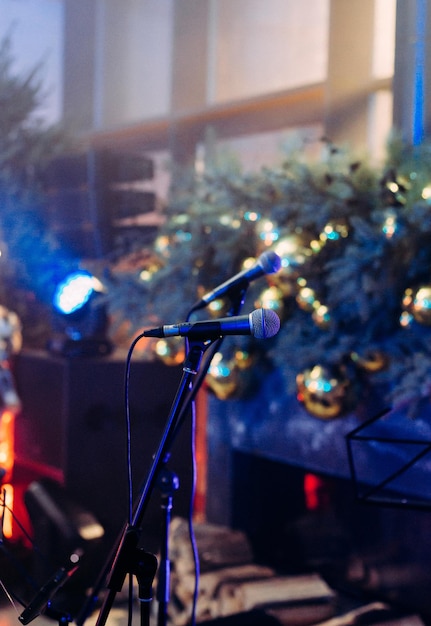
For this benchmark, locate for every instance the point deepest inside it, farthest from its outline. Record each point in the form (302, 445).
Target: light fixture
(80, 318)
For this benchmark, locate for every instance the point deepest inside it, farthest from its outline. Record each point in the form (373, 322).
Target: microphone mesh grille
(265, 323)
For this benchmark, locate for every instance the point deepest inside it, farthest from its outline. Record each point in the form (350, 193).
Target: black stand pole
(126, 556)
(168, 483)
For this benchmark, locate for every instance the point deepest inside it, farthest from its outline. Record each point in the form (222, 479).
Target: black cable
(128, 426)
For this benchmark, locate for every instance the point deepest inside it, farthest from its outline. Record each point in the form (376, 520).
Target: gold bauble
(323, 391)
(242, 359)
(267, 232)
(293, 250)
(417, 302)
(171, 351)
(218, 308)
(284, 281)
(334, 230)
(222, 377)
(322, 317)
(271, 298)
(10, 333)
(162, 246)
(370, 361)
(306, 299)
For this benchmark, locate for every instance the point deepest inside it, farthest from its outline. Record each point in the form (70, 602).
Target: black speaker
(73, 425)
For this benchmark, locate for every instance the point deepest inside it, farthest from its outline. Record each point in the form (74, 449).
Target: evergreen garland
(363, 238)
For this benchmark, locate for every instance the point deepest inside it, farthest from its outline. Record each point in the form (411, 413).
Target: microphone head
(264, 323)
(269, 261)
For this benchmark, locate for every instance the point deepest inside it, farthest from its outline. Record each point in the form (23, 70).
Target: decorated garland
(354, 291)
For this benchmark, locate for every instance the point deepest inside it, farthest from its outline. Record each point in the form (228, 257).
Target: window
(22, 21)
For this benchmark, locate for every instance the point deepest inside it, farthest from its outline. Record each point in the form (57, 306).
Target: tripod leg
(168, 483)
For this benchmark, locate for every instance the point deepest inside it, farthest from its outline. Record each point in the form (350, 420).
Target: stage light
(75, 291)
(81, 321)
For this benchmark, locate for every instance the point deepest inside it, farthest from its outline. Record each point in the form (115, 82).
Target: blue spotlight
(81, 322)
(75, 291)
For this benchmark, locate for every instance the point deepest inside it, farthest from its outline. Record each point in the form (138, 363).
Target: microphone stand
(129, 558)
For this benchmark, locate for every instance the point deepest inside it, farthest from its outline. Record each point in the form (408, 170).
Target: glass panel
(22, 20)
(380, 123)
(252, 152)
(136, 53)
(262, 47)
(384, 38)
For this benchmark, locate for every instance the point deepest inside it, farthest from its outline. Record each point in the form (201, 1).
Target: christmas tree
(30, 256)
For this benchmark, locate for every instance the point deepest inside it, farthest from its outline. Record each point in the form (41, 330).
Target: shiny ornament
(285, 282)
(267, 232)
(242, 359)
(306, 299)
(391, 225)
(370, 361)
(395, 189)
(426, 193)
(163, 246)
(293, 250)
(222, 377)
(171, 352)
(406, 319)
(322, 317)
(323, 391)
(218, 308)
(10, 333)
(271, 298)
(417, 302)
(334, 230)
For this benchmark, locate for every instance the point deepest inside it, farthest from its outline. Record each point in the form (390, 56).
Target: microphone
(261, 323)
(268, 263)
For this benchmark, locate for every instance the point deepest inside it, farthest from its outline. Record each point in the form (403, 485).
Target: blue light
(74, 292)
(419, 80)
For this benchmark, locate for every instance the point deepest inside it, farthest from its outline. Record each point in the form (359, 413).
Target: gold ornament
(322, 317)
(395, 189)
(218, 308)
(390, 225)
(171, 352)
(293, 250)
(334, 231)
(242, 359)
(10, 333)
(370, 361)
(267, 232)
(285, 282)
(222, 377)
(323, 391)
(163, 245)
(271, 298)
(417, 302)
(306, 299)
